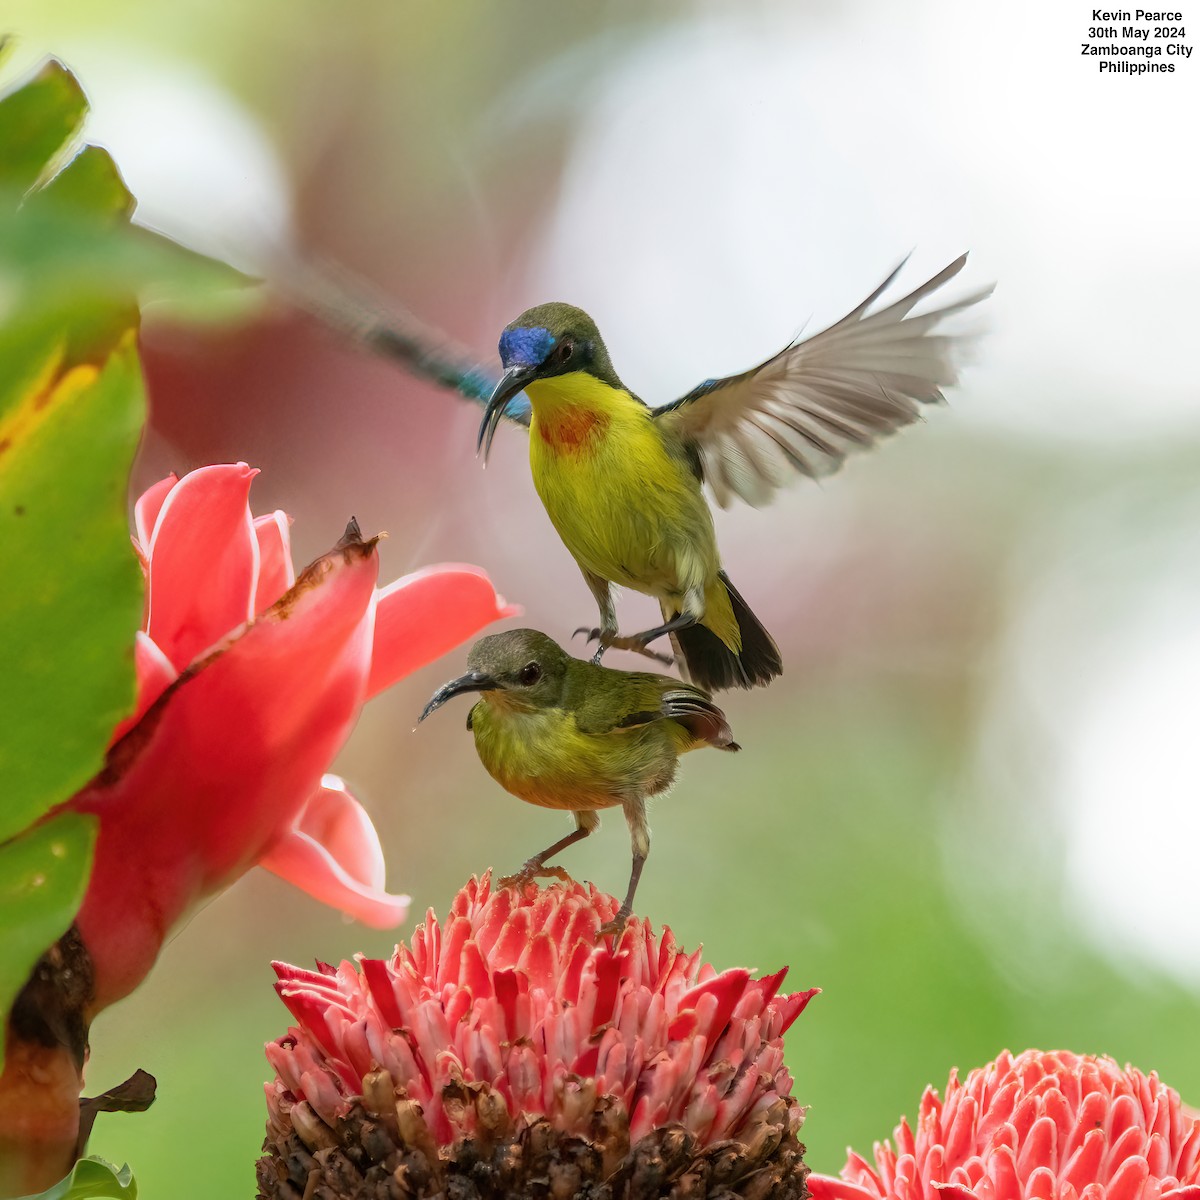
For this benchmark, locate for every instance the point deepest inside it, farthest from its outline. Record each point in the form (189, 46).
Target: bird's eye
(563, 352)
(530, 674)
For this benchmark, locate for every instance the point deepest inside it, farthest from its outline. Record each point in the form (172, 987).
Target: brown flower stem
(39, 1116)
(45, 1050)
(44, 1125)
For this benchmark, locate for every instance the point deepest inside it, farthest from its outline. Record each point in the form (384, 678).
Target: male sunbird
(622, 482)
(565, 733)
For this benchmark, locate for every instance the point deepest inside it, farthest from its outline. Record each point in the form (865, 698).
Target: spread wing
(821, 399)
(350, 307)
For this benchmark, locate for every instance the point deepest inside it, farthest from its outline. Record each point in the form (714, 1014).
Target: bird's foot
(593, 635)
(616, 926)
(614, 641)
(532, 869)
(638, 646)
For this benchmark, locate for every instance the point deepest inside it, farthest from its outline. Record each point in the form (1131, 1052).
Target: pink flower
(511, 1018)
(249, 681)
(1041, 1126)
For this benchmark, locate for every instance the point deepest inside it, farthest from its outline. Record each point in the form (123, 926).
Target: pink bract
(514, 994)
(1041, 1126)
(249, 682)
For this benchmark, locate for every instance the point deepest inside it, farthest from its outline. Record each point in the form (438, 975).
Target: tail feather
(707, 662)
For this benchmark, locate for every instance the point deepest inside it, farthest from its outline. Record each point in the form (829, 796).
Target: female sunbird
(621, 482)
(565, 733)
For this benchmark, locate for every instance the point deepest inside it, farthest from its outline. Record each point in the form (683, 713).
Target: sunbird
(622, 482)
(565, 733)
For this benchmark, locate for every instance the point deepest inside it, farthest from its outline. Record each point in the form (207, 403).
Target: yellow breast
(541, 757)
(627, 509)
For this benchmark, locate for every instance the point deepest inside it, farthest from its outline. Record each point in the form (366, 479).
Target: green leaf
(71, 411)
(43, 877)
(67, 248)
(92, 1178)
(37, 119)
(55, 259)
(89, 183)
(72, 598)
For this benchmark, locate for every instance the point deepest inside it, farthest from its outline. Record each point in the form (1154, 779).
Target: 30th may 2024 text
(1138, 41)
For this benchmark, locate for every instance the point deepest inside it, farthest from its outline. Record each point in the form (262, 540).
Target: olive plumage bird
(622, 482)
(565, 733)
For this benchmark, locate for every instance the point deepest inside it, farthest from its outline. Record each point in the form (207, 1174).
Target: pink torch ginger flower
(249, 682)
(1041, 1126)
(510, 1045)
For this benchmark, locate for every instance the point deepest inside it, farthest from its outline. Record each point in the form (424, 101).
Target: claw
(614, 641)
(531, 871)
(616, 926)
(665, 659)
(637, 646)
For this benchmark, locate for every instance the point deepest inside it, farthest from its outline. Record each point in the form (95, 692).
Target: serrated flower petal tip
(516, 1036)
(1040, 1126)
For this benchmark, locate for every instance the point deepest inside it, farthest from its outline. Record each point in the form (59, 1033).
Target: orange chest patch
(570, 430)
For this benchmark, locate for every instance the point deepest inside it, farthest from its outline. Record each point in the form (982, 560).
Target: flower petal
(155, 673)
(1036, 1125)
(422, 616)
(827, 1187)
(149, 505)
(275, 573)
(221, 766)
(334, 855)
(471, 1024)
(203, 562)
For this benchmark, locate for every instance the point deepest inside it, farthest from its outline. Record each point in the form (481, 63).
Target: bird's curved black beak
(472, 681)
(513, 381)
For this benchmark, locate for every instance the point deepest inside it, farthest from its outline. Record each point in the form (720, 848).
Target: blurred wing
(352, 308)
(838, 391)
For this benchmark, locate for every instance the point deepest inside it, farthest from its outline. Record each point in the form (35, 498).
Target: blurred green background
(970, 810)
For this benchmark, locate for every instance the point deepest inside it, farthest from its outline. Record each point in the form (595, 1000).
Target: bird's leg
(594, 635)
(606, 635)
(639, 836)
(601, 588)
(585, 822)
(693, 610)
(617, 924)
